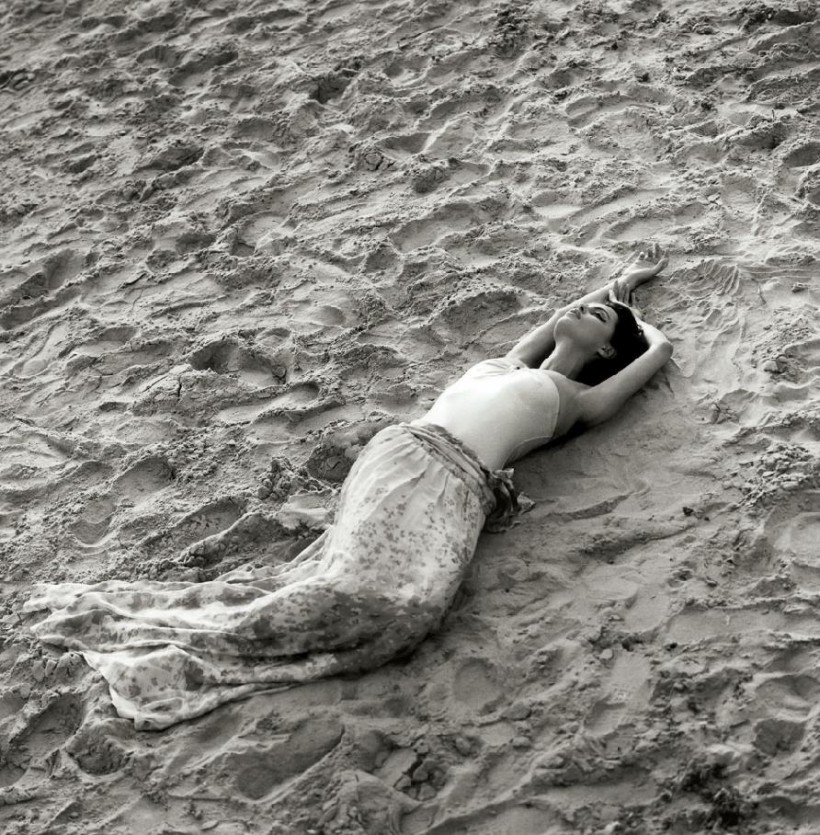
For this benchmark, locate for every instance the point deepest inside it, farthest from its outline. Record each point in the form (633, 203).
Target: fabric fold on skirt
(368, 589)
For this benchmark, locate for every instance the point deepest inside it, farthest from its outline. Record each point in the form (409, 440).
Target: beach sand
(235, 238)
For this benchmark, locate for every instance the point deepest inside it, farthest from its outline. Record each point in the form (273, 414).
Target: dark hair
(628, 342)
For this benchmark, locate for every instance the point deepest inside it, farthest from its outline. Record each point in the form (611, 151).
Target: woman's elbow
(658, 355)
(663, 350)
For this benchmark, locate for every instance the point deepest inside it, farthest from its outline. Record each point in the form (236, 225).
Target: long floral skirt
(369, 589)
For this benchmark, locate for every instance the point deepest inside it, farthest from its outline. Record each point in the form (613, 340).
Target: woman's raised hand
(620, 292)
(648, 264)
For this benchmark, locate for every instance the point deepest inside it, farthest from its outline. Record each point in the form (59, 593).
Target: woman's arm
(537, 345)
(601, 402)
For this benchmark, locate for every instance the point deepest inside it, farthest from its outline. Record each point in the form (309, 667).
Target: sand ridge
(238, 238)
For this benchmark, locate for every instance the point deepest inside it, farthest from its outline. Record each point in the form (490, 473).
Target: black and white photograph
(409, 417)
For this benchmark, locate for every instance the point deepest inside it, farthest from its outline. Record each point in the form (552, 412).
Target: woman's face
(590, 326)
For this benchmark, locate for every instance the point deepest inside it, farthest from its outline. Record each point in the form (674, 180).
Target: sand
(235, 238)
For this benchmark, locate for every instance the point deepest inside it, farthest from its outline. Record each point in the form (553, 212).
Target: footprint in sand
(229, 356)
(800, 170)
(172, 157)
(793, 531)
(457, 315)
(754, 17)
(762, 134)
(595, 221)
(13, 81)
(774, 735)
(315, 413)
(803, 155)
(130, 35)
(662, 223)
(11, 704)
(785, 74)
(159, 55)
(145, 478)
(404, 71)
(100, 747)
(124, 362)
(255, 127)
(795, 694)
(331, 85)
(42, 290)
(404, 145)
(207, 522)
(106, 340)
(42, 734)
(258, 534)
(261, 233)
(786, 699)
(585, 110)
(80, 159)
(94, 520)
(189, 73)
(446, 222)
(477, 685)
(212, 734)
(257, 770)
(49, 275)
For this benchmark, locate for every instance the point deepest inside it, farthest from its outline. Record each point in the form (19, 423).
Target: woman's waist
(493, 485)
(450, 447)
(487, 449)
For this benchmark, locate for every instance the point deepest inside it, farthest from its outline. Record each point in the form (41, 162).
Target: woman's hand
(620, 292)
(647, 265)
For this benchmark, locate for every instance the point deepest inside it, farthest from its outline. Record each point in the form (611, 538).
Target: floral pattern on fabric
(369, 589)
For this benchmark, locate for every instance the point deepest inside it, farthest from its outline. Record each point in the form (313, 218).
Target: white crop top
(500, 408)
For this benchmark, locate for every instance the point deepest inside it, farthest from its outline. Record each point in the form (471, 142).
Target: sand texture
(236, 238)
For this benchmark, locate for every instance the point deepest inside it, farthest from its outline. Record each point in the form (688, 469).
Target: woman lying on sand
(409, 515)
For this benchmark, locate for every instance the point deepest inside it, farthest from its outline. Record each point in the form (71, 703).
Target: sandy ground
(235, 234)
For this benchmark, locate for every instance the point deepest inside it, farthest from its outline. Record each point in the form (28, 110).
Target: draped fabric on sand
(370, 588)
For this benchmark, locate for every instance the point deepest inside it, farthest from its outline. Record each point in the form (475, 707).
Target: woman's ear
(606, 351)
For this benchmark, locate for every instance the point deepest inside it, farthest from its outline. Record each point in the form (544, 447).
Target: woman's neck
(566, 359)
